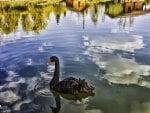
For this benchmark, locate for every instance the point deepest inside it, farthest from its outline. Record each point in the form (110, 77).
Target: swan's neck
(55, 78)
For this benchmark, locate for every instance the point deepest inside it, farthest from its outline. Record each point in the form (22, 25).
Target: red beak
(49, 62)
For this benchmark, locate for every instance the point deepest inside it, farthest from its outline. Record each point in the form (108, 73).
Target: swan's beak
(49, 62)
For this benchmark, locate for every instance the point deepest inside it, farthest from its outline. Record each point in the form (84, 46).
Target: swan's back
(68, 85)
(73, 86)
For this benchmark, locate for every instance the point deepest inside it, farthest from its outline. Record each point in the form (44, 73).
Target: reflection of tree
(114, 9)
(26, 22)
(34, 18)
(147, 1)
(95, 13)
(10, 22)
(124, 22)
(58, 10)
(39, 20)
(131, 21)
(1, 20)
(47, 10)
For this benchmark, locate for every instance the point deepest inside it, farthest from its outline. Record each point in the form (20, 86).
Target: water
(112, 54)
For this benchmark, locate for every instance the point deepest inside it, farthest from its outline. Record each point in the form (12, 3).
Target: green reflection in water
(9, 22)
(32, 19)
(34, 16)
(114, 9)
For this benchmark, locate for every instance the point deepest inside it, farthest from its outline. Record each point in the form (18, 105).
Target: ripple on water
(21, 90)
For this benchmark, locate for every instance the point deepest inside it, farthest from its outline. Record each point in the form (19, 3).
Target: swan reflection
(57, 95)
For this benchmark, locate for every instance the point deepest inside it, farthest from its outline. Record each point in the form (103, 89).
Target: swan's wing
(68, 85)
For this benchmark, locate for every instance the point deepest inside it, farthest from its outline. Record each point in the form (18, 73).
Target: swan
(69, 85)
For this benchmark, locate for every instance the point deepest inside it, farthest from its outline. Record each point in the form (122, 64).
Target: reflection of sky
(12, 37)
(17, 91)
(119, 70)
(116, 42)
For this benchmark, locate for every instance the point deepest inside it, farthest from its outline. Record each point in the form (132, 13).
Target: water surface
(111, 52)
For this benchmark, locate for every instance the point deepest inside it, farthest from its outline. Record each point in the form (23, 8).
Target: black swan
(69, 85)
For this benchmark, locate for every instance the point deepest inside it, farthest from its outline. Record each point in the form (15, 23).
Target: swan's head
(52, 59)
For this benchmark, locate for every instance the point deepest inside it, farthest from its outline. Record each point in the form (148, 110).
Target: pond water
(112, 52)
